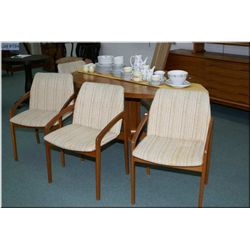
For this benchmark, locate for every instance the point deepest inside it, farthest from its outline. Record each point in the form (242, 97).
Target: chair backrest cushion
(49, 91)
(70, 67)
(179, 113)
(97, 104)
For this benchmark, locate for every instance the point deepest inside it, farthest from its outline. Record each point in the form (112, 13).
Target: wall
(35, 48)
(129, 49)
(147, 49)
(125, 49)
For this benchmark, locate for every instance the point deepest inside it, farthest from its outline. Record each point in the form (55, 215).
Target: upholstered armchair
(178, 135)
(50, 93)
(70, 67)
(98, 114)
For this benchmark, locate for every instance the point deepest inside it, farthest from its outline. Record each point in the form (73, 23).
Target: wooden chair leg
(98, 174)
(48, 157)
(207, 165)
(13, 137)
(148, 170)
(207, 173)
(62, 158)
(126, 156)
(132, 180)
(202, 184)
(37, 135)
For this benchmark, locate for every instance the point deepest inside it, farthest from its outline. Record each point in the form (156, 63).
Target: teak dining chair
(178, 135)
(70, 67)
(50, 92)
(97, 118)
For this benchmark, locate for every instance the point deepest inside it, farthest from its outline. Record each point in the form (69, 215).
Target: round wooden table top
(131, 90)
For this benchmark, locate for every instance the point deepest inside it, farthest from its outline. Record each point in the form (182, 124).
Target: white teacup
(177, 77)
(127, 69)
(85, 68)
(118, 60)
(155, 80)
(161, 73)
(91, 68)
(137, 76)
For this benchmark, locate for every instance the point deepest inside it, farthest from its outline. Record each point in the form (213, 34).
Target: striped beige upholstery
(33, 118)
(49, 92)
(77, 137)
(177, 128)
(170, 151)
(96, 105)
(70, 67)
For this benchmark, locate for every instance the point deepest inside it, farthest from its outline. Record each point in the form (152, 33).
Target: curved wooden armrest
(58, 117)
(138, 131)
(71, 98)
(108, 127)
(18, 103)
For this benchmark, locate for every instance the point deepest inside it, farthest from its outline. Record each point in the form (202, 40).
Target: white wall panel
(128, 49)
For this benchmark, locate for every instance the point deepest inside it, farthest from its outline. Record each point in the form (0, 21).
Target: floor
(24, 183)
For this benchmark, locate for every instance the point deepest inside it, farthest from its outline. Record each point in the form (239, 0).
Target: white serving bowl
(105, 59)
(177, 77)
(118, 60)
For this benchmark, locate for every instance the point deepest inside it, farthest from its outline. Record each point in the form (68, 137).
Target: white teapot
(137, 62)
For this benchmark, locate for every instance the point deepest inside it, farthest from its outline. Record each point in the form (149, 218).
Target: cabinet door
(228, 80)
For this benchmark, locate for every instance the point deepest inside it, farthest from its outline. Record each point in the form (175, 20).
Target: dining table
(27, 61)
(135, 93)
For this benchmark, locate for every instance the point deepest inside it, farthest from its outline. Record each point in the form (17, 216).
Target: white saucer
(184, 85)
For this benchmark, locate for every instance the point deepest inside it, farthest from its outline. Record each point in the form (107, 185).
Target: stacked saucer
(104, 65)
(117, 69)
(103, 68)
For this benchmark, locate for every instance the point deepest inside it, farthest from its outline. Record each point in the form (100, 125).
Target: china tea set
(137, 71)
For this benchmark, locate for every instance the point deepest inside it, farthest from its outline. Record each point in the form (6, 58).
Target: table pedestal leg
(132, 109)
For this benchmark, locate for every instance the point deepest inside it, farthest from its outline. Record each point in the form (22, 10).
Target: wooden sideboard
(225, 76)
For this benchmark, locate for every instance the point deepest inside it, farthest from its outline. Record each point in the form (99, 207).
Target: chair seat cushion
(170, 151)
(77, 138)
(33, 118)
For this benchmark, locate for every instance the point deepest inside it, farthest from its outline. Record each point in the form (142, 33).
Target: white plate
(184, 85)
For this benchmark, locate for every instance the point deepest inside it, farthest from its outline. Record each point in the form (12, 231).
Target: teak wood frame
(202, 169)
(96, 153)
(12, 111)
